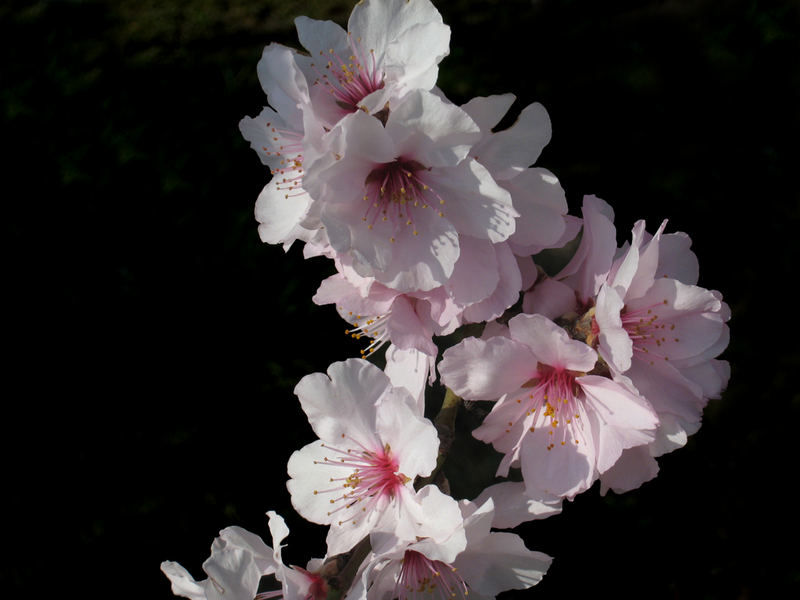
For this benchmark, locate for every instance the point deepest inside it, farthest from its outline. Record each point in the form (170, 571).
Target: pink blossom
(576, 285)
(390, 48)
(238, 561)
(663, 334)
(485, 282)
(373, 442)
(509, 155)
(284, 136)
(513, 506)
(397, 198)
(473, 562)
(562, 425)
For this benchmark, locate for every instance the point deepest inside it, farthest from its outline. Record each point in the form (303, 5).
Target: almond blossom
(474, 562)
(664, 334)
(509, 155)
(238, 561)
(487, 279)
(390, 48)
(655, 329)
(397, 196)
(562, 425)
(373, 443)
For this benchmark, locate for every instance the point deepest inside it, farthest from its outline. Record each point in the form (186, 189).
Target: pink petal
(475, 275)
(505, 294)
(632, 469)
(486, 369)
(550, 344)
(554, 469)
(624, 419)
(507, 153)
(551, 298)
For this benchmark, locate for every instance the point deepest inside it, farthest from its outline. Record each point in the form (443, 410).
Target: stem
(445, 423)
(339, 571)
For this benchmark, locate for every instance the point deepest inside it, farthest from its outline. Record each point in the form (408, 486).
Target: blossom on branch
(561, 424)
(474, 562)
(373, 443)
(238, 561)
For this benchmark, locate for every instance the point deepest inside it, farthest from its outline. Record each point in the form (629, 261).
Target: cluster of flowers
(432, 220)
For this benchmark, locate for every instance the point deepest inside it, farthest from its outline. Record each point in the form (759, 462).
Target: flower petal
(478, 369)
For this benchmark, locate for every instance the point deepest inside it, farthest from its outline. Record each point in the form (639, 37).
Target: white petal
(616, 346)
(487, 111)
(542, 204)
(280, 211)
(502, 562)
(284, 83)
(320, 37)
(376, 24)
(411, 437)
(507, 153)
(183, 584)
(632, 469)
(410, 369)
(474, 202)
(412, 60)
(431, 131)
(342, 404)
(512, 506)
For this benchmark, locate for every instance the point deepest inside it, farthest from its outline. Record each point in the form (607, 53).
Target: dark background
(153, 342)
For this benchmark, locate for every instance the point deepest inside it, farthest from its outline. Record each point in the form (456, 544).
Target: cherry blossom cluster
(433, 220)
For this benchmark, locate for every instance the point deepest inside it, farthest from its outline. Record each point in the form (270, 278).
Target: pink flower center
(373, 480)
(552, 399)
(350, 79)
(317, 588)
(649, 331)
(395, 193)
(420, 577)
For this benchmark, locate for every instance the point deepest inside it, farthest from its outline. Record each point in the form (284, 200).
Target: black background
(153, 342)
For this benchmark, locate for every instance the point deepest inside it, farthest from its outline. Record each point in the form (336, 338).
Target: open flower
(391, 47)
(485, 282)
(509, 156)
(562, 426)
(474, 562)
(238, 561)
(663, 334)
(397, 197)
(373, 443)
